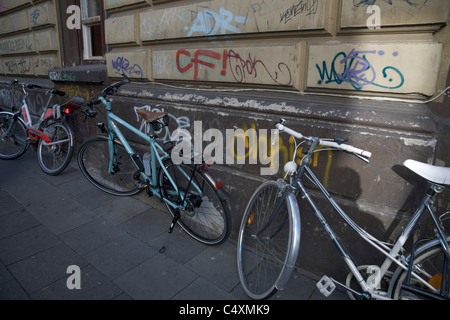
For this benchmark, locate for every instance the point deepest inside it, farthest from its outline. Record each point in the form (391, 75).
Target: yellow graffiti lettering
(75, 91)
(260, 145)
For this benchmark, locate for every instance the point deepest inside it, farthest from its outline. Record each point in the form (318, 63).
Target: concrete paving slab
(158, 278)
(202, 289)
(91, 235)
(120, 209)
(178, 245)
(12, 290)
(45, 267)
(8, 204)
(119, 256)
(94, 286)
(218, 265)
(16, 222)
(26, 243)
(148, 225)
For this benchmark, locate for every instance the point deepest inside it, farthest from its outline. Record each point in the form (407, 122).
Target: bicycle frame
(26, 113)
(33, 129)
(155, 149)
(392, 254)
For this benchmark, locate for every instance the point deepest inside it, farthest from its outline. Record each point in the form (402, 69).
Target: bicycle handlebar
(110, 90)
(35, 86)
(326, 143)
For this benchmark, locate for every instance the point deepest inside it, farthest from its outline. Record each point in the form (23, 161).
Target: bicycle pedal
(141, 185)
(326, 286)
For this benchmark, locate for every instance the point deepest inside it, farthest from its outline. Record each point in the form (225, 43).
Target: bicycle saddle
(150, 116)
(434, 174)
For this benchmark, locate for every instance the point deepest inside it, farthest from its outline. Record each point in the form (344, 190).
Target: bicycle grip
(293, 133)
(346, 147)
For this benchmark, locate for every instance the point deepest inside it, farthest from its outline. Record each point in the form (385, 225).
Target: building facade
(371, 71)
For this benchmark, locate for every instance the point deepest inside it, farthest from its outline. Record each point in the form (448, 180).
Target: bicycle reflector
(250, 219)
(436, 281)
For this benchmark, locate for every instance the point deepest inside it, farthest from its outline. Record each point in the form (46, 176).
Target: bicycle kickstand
(172, 226)
(174, 222)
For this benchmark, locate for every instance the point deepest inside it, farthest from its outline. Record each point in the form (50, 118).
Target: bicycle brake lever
(341, 141)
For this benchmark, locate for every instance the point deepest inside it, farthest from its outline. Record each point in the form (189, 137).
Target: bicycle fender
(222, 194)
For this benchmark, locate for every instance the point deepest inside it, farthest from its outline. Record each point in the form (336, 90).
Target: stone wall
(28, 38)
(314, 45)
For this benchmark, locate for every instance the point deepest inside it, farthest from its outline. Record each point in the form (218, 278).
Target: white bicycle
(269, 237)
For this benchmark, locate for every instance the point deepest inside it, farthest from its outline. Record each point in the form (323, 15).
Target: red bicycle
(51, 136)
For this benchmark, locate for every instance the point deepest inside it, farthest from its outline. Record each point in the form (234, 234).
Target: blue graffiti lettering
(210, 23)
(358, 71)
(122, 65)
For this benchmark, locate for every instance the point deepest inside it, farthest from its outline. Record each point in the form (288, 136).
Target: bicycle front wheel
(94, 161)
(55, 156)
(204, 216)
(268, 241)
(432, 266)
(13, 137)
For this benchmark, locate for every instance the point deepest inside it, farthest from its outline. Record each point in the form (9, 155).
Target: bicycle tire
(55, 158)
(268, 243)
(429, 263)
(16, 145)
(93, 160)
(207, 219)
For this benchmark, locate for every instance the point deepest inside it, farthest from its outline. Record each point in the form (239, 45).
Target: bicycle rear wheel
(13, 143)
(93, 160)
(432, 265)
(54, 157)
(268, 241)
(205, 217)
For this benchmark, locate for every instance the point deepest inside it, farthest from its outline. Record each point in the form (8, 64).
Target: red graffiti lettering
(197, 61)
(241, 67)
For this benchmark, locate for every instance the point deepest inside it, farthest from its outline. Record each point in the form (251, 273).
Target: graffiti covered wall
(302, 44)
(28, 38)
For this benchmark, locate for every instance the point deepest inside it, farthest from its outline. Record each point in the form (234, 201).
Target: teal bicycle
(196, 201)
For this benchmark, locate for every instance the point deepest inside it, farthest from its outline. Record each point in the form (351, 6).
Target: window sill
(93, 73)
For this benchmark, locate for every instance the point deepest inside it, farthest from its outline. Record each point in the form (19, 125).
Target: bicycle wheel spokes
(13, 137)
(54, 157)
(264, 242)
(93, 159)
(203, 215)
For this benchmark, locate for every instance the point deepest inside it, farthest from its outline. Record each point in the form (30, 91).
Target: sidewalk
(50, 223)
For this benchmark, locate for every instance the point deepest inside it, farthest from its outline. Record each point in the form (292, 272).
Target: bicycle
(50, 136)
(196, 201)
(269, 236)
